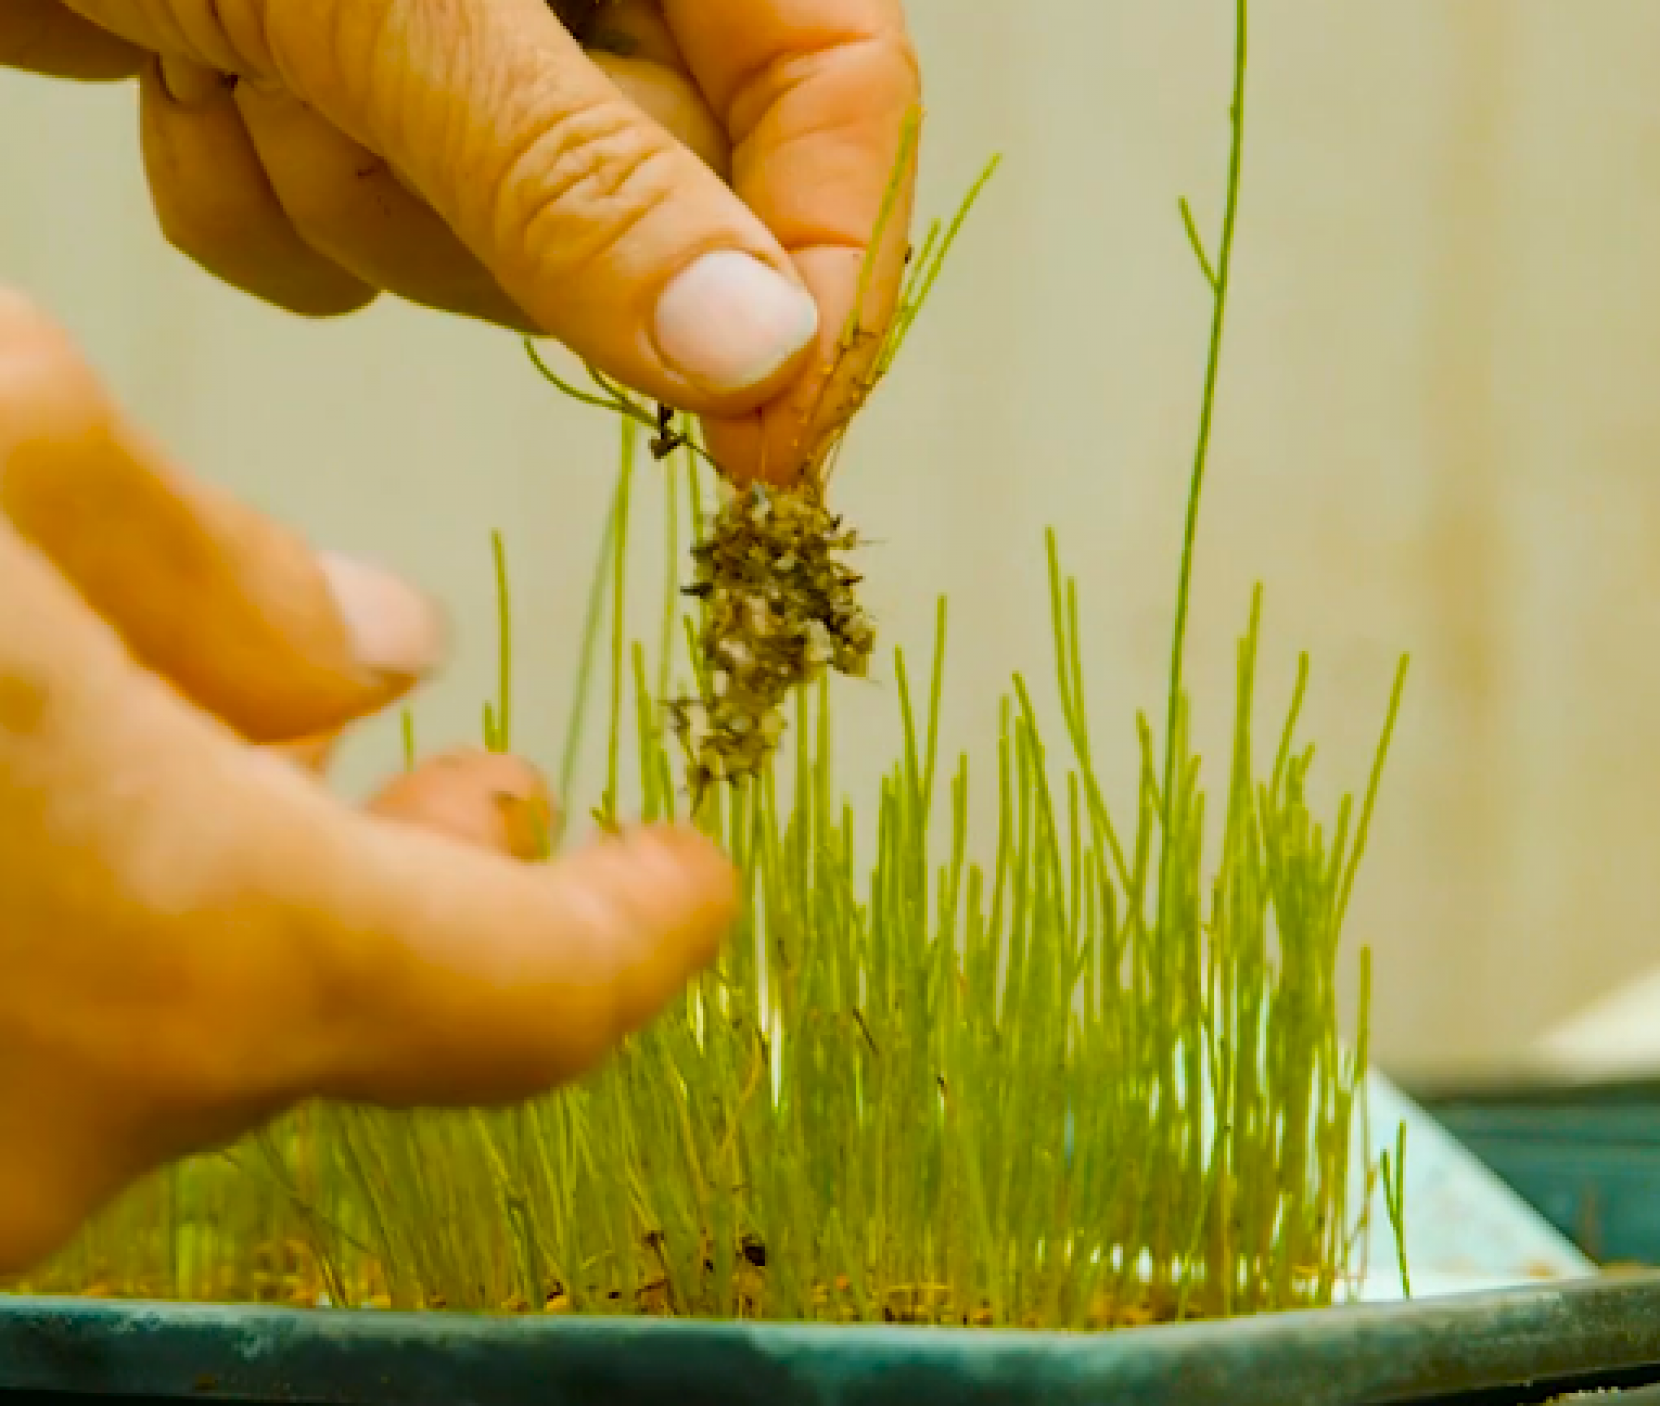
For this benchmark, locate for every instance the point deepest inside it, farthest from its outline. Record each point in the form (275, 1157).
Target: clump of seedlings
(779, 596)
(779, 608)
(780, 599)
(1078, 1073)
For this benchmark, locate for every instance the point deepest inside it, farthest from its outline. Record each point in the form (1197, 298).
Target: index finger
(815, 96)
(241, 616)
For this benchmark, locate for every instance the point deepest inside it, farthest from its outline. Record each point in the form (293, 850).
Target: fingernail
(192, 84)
(729, 322)
(394, 629)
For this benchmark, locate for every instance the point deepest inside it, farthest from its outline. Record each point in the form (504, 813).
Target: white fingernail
(729, 322)
(394, 629)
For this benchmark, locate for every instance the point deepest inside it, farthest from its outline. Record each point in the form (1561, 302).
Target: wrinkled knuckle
(328, 53)
(890, 70)
(229, 35)
(575, 189)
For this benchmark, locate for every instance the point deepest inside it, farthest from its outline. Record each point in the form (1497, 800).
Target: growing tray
(1585, 1156)
(1505, 1349)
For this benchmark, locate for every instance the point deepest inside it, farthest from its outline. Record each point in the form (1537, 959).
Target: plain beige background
(1437, 433)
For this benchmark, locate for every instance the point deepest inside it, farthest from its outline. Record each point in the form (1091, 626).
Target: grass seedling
(780, 604)
(1081, 1072)
(1393, 1172)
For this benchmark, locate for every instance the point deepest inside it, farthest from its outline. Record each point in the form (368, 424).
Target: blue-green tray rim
(1352, 1356)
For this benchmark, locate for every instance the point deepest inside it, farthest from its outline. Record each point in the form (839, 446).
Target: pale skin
(194, 933)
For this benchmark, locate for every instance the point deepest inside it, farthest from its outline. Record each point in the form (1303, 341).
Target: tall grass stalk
(1079, 1072)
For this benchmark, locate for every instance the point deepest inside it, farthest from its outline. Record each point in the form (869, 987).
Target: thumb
(235, 612)
(614, 237)
(453, 972)
(458, 976)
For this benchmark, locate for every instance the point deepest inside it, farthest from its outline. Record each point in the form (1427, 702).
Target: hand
(193, 934)
(663, 204)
